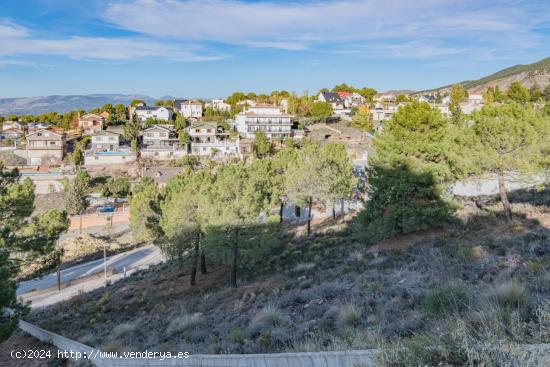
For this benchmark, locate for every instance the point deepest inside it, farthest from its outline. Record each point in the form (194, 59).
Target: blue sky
(210, 48)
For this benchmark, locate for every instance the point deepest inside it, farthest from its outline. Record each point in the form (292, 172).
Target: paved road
(86, 277)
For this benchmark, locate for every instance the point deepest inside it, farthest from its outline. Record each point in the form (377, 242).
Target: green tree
(180, 123)
(518, 93)
(132, 128)
(401, 201)
(184, 137)
(546, 93)
(343, 88)
(262, 146)
(184, 217)
(368, 93)
(142, 210)
(421, 137)
(535, 93)
(135, 102)
(107, 107)
(117, 186)
(21, 241)
(75, 198)
(234, 206)
(362, 120)
(337, 172)
(321, 110)
(504, 140)
(305, 181)
(457, 94)
(121, 114)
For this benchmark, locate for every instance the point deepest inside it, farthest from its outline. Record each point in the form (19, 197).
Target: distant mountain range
(537, 73)
(38, 105)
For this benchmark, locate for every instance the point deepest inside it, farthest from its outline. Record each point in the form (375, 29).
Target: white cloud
(412, 50)
(17, 40)
(299, 25)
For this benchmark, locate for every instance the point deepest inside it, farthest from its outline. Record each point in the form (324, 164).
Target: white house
(45, 147)
(160, 142)
(384, 97)
(209, 140)
(160, 113)
(352, 99)
(218, 105)
(266, 118)
(105, 141)
(475, 99)
(189, 108)
(16, 125)
(246, 103)
(333, 98)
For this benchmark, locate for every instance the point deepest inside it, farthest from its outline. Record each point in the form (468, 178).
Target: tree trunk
(281, 213)
(58, 277)
(233, 277)
(334, 210)
(193, 279)
(309, 216)
(504, 197)
(203, 263)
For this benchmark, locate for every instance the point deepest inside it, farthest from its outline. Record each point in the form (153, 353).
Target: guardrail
(356, 358)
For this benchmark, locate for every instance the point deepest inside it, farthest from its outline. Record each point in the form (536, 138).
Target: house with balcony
(265, 118)
(91, 123)
(188, 108)
(44, 147)
(160, 142)
(105, 141)
(207, 139)
(158, 113)
(106, 149)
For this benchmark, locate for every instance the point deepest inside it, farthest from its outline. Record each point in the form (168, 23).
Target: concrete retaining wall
(359, 358)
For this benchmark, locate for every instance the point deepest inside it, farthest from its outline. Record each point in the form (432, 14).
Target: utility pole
(105, 263)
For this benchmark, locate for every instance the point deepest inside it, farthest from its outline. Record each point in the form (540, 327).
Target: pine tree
(132, 129)
(21, 241)
(504, 140)
(75, 200)
(305, 182)
(363, 120)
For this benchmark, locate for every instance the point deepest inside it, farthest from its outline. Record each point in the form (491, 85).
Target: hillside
(537, 73)
(58, 103)
(444, 290)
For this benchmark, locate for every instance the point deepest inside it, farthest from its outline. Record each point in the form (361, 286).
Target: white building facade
(158, 113)
(265, 118)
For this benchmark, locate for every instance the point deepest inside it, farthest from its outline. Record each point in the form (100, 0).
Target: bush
(123, 330)
(183, 323)
(266, 319)
(511, 294)
(348, 317)
(446, 300)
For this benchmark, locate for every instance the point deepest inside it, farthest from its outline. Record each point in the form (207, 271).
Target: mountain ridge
(63, 103)
(537, 73)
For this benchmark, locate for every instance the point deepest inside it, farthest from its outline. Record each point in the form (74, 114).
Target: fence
(358, 358)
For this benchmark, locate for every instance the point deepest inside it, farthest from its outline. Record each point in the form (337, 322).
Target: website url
(99, 354)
